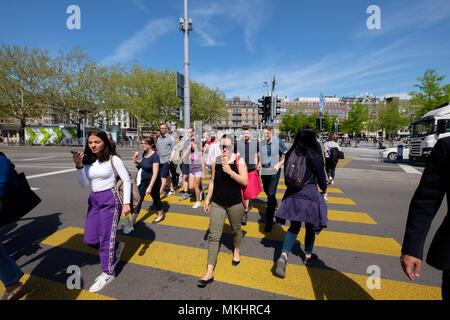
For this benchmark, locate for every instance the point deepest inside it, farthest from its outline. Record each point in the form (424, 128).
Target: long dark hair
(305, 144)
(108, 150)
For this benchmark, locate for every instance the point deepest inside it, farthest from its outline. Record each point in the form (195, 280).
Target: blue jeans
(10, 272)
(270, 185)
(154, 194)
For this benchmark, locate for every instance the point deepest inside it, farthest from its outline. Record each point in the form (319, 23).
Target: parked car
(391, 153)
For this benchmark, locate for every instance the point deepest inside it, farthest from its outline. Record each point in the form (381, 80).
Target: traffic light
(336, 127)
(267, 107)
(261, 107)
(320, 124)
(276, 107)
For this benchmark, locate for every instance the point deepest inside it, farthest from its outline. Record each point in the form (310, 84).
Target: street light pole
(186, 26)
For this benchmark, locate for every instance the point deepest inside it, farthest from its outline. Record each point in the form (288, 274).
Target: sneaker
(309, 261)
(184, 197)
(169, 193)
(280, 271)
(101, 282)
(15, 294)
(197, 204)
(325, 198)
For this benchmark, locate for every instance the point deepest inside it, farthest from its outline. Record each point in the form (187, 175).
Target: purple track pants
(101, 226)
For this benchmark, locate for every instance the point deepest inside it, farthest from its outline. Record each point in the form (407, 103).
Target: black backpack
(334, 157)
(294, 171)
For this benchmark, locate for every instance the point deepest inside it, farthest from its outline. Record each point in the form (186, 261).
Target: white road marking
(409, 169)
(36, 159)
(50, 173)
(35, 189)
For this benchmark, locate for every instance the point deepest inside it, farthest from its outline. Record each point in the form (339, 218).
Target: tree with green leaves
(76, 90)
(207, 105)
(431, 93)
(356, 120)
(391, 119)
(24, 78)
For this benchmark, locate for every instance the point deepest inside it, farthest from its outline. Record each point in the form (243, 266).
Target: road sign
(322, 100)
(180, 86)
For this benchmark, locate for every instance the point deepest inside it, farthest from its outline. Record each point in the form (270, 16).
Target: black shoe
(235, 263)
(202, 283)
(310, 261)
(268, 227)
(244, 219)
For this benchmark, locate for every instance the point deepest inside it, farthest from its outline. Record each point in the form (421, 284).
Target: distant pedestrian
(10, 273)
(94, 167)
(331, 148)
(272, 151)
(150, 178)
(425, 203)
(166, 150)
(248, 149)
(112, 142)
(224, 199)
(196, 170)
(306, 204)
(185, 162)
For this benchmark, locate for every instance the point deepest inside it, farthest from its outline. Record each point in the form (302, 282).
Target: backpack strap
(114, 169)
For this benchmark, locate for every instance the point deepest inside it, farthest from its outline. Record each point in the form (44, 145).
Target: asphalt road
(164, 261)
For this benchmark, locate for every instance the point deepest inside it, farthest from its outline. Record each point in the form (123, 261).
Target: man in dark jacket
(427, 199)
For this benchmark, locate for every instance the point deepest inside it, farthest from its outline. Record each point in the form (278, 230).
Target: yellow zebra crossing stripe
(329, 239)
(255, 273)
(38, 288)
(175, 200)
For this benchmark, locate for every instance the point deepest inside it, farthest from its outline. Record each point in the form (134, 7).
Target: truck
(426, 131)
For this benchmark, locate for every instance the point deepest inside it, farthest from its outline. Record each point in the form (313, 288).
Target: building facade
(240, 112)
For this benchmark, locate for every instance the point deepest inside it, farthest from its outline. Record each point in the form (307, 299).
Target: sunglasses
(226, 146)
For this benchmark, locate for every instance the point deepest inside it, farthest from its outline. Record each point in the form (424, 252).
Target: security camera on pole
(186, 26)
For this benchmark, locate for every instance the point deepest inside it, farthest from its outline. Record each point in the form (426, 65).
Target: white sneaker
(101, 282)
(197, 204)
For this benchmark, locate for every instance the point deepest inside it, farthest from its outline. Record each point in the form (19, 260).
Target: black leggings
(446, 285)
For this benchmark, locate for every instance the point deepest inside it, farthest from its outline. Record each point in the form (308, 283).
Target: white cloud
(141, 6)
(128, 49)
(206, 18)
(409, 15)
(401, 95)
(333, 74)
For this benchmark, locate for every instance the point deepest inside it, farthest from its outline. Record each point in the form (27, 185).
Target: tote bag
(254, 187)
(19, 202)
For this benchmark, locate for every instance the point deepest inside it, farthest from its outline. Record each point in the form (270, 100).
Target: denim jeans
(270, 185)
(10, 272)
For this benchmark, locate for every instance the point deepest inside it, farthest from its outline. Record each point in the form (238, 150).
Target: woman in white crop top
(105, 207)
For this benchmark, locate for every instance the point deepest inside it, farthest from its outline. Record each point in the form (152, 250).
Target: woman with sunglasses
(224, 198)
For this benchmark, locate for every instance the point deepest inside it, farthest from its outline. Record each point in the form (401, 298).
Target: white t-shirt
(329, 145)
(101, 177)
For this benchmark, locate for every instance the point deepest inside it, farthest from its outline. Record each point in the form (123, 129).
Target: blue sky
(237, 45)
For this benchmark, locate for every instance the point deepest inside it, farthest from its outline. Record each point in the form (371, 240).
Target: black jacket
(427, 199)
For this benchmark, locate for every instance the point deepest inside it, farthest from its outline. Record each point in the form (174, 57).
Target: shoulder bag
(135, 197)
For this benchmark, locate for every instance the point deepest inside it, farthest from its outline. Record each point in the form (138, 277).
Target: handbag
(254, 186)
(19, 202)
(135, 197)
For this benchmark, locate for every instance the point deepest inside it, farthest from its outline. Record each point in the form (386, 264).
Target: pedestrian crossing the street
(255, 271)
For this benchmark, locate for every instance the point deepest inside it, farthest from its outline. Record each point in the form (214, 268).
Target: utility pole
(186, 26)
